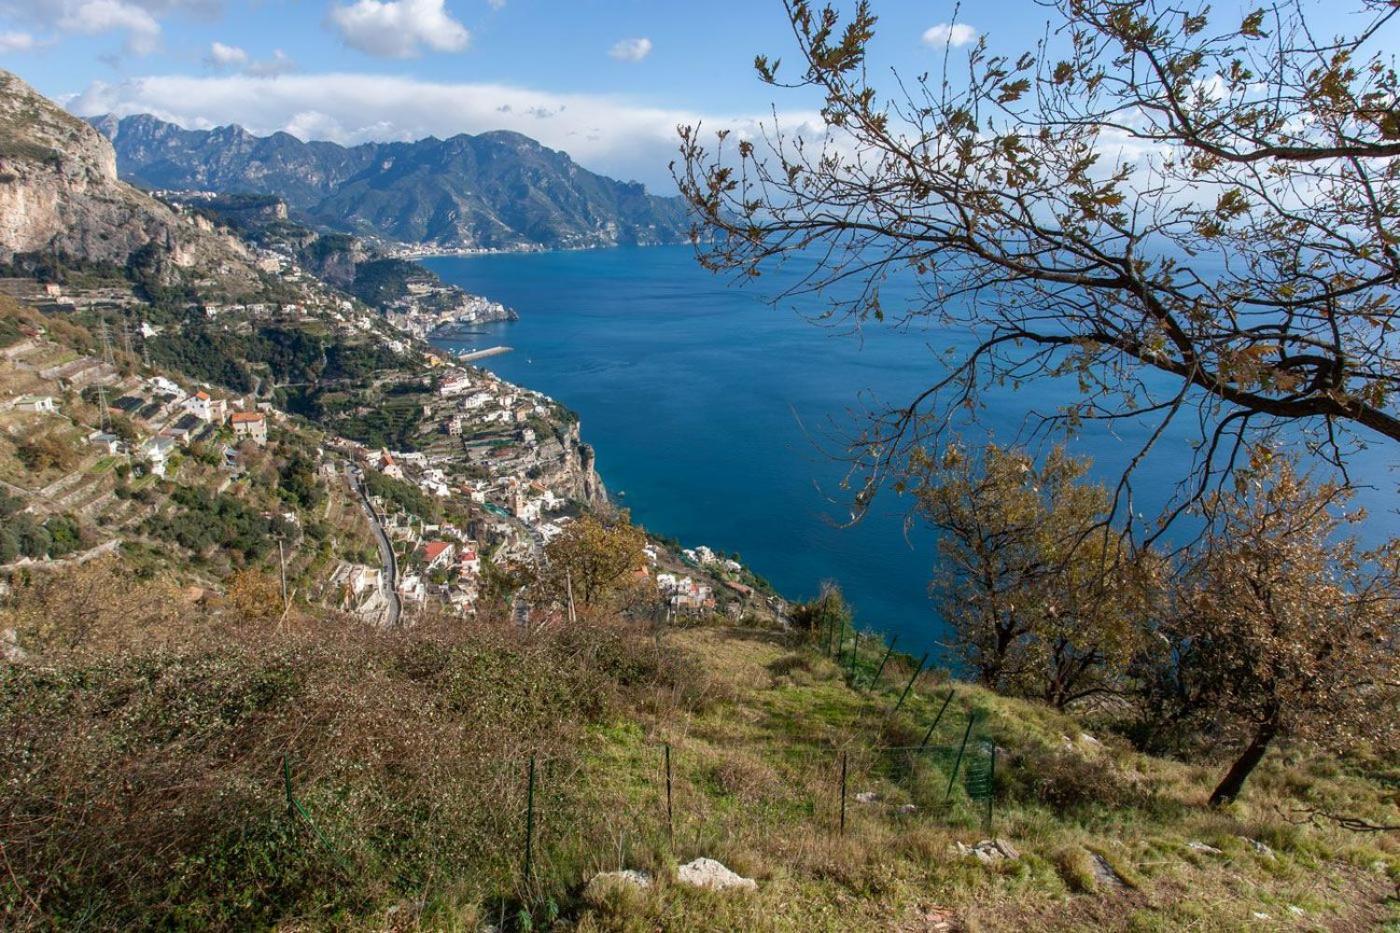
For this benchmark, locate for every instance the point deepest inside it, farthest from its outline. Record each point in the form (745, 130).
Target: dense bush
(23, 535)
(202, 521)
(1068, 780)
(145, 785)
(46, 452)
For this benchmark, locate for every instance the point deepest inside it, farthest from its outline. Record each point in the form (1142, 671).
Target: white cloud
(16, 42)
(278, 64)
(949, 34)
(631, 50)
(225, 56)
(138, 21)
(398, 28)
(496, 4)
(95, 17)
(605, 133)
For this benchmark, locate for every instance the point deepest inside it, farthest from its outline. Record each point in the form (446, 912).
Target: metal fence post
(991, 785)
(971, 718)
(937, 719)
(910, 686)
(670, 819)
(883, 661)
(843, 793)
(530, 820)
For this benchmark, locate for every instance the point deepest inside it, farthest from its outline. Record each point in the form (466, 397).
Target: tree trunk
(1249, 759)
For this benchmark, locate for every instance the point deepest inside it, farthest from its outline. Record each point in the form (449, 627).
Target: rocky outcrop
(590, 484)
(59, 193)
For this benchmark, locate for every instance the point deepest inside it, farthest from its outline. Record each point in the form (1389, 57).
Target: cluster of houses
(176, 419)
(492, 463)
(432, 309)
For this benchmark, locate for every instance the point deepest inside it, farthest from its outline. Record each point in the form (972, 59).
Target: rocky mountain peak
(59, 194)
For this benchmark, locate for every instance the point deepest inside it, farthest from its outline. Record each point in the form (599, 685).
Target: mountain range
(497, 190)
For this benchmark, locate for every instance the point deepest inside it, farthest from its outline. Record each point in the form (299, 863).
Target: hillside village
(493, 472)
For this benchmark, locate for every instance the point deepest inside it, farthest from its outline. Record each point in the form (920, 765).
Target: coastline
(408, 252)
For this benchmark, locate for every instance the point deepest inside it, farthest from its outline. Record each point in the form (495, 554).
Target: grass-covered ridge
(144, 753)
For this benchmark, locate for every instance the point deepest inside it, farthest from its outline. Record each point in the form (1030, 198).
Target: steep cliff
(59, 193)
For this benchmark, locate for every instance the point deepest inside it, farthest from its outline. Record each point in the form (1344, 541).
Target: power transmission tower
(107, 356)
(102, 407)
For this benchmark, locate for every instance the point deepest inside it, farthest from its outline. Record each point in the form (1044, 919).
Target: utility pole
(282, 563)
(569, 584)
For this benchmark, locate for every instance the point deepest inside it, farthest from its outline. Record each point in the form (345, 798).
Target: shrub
(1068, 781)
(144, 775)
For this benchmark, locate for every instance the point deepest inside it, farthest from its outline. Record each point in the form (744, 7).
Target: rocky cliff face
(496, 190)
(59, 193)
(570, 467)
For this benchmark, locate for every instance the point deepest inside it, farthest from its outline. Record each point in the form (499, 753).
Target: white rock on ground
(628, 877)
(707, 873)
(1259, 847)
(990, 850)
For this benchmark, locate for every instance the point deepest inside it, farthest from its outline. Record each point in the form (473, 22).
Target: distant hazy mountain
(495, 190)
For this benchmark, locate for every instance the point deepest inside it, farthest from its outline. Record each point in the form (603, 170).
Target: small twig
(1352, 823)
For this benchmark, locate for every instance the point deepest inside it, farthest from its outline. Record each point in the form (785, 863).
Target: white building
(157, 452)
(205, 408)
(36, 403)
(477, 400)
(454, 384)
(250, 424)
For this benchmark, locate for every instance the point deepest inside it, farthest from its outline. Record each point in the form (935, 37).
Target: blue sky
(606, 80)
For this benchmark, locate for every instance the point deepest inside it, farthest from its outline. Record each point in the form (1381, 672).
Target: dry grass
(148, 791)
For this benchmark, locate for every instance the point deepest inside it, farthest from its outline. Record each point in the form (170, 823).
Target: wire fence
(556, 816)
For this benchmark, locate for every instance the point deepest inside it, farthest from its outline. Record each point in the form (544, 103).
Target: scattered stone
(1259, 847)
(9, 647)
(867, 796)
(1259, 915)
(627, 878)
(1088, 739)
(990, 851)
(707, 873)
(1202, 847)
(930, 920)
(1104, 874)
(908, 808)
(1295, 910)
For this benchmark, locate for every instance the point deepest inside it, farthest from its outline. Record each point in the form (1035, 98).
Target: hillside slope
(410, 755)
(496, 190)
(59, 194)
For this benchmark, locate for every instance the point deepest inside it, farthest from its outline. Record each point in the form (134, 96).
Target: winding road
(386, 550)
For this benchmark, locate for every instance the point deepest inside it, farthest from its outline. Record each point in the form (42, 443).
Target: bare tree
(1194, 219)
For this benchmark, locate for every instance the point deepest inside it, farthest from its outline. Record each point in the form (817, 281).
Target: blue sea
(715, 412)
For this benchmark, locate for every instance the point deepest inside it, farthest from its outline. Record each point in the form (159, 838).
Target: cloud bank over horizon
(607, 134)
